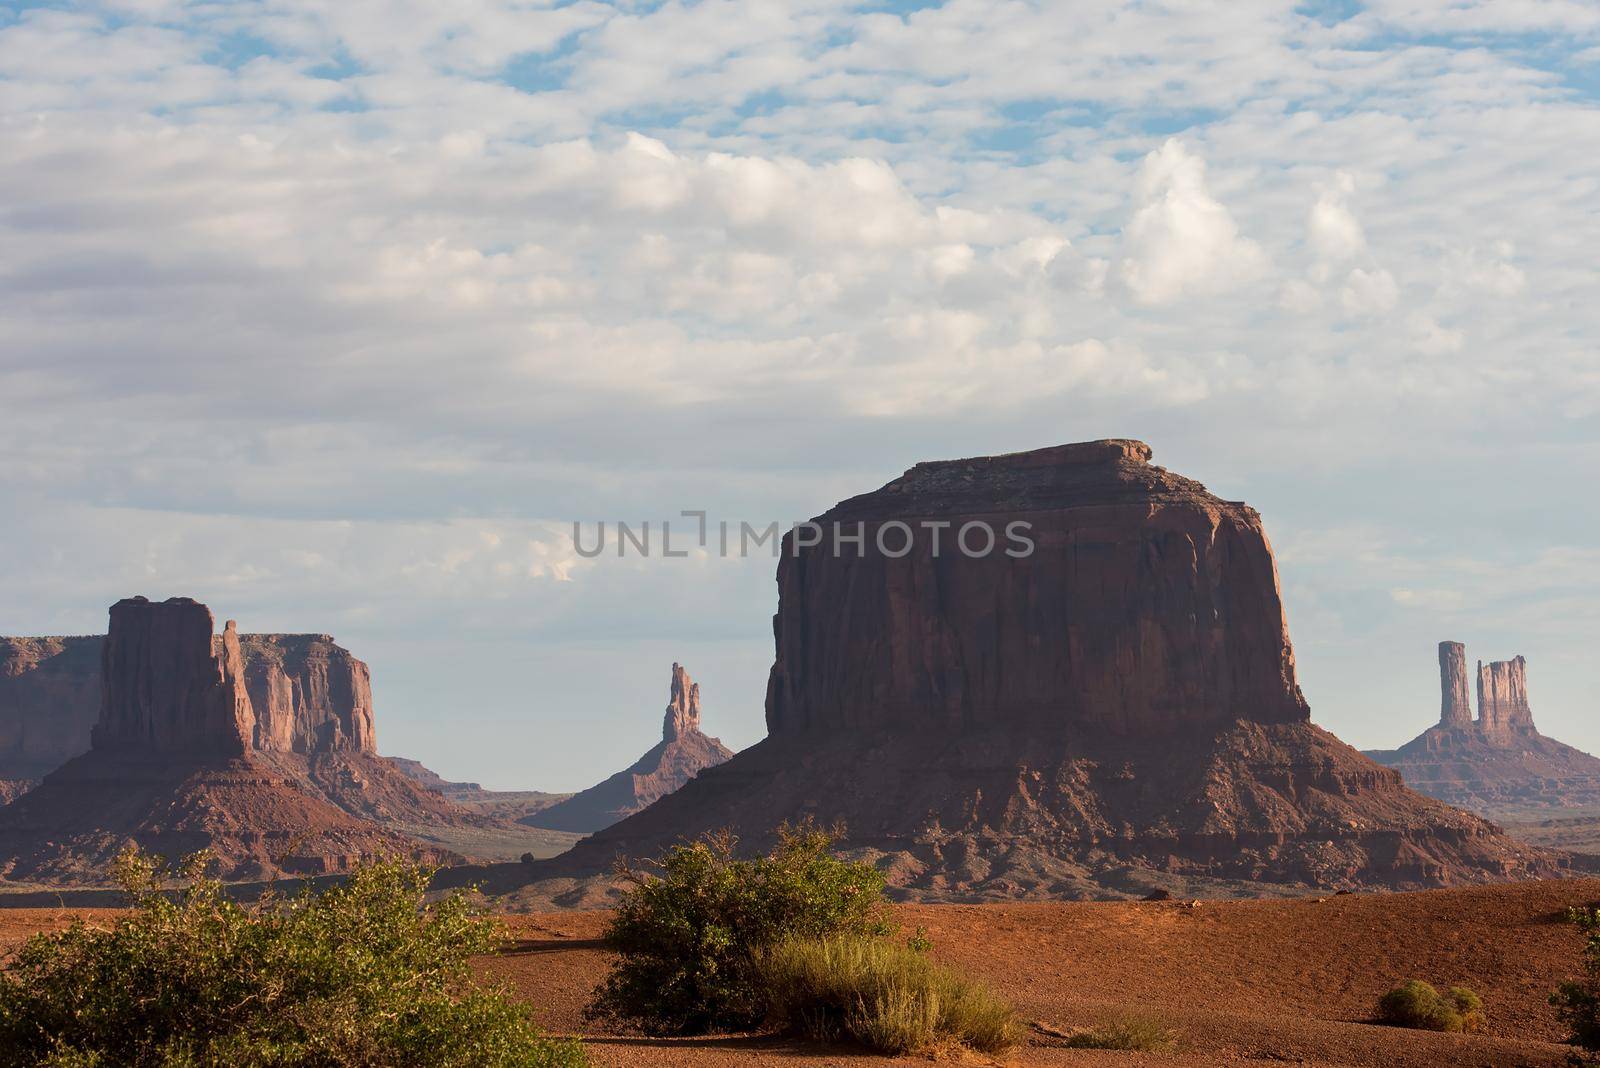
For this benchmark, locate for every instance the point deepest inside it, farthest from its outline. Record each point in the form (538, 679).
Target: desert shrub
(686, 939)
(1577, 1001)
(890, 998)
(1128, 1031)
(362, 974)
(1417, 1004)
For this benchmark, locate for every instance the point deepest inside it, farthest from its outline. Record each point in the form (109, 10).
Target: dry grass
(888, 997)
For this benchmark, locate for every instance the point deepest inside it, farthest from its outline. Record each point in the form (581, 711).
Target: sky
(336, 316)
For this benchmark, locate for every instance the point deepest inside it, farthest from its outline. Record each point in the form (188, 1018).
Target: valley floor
(1248, 982)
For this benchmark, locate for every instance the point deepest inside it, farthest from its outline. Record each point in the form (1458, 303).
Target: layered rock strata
(174, 764)
(1103, 701)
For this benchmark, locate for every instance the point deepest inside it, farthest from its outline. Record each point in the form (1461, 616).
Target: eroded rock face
(1503, 697)
(1497, 764)
(1455, 706)
(179, 760)
(683, 752)
(309, 694)
(49, 700)
(1146, 604)
(164, 689)
(1116, 709)
(683, 710)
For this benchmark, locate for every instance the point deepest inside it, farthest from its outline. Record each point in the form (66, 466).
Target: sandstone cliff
(307, 695)
(166, 687)
(1497, 764)
(1455, 705)
(1112, 709)
(1145, 605)
(49, 700)
(683, 752)
(177, 761)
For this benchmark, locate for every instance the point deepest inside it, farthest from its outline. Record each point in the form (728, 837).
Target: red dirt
(1248, 982)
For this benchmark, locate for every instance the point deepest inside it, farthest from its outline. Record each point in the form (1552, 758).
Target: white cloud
(1366, 292)
(1431, 339)
(1332, 228)
(1181, 241)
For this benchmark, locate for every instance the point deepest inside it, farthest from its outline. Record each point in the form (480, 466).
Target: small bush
(363, 974)
(1417, 1004)
(1128, 1031)
(890, 998)
(687, 939)
(1577, 1001)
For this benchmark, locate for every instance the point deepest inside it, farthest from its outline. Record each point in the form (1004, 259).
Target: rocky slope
(683, 752)
(176, 764)
(1103, 702)
(1498, 763)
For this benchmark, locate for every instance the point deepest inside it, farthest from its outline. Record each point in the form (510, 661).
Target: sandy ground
(1247, 982)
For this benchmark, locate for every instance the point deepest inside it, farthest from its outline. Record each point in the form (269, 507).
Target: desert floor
(1247, 982)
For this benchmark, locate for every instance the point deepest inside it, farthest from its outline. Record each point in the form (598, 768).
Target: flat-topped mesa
(309, 694)
(1073, 587)
(1503, 697)
(1456, 705)
(165, 689)
(683, 710)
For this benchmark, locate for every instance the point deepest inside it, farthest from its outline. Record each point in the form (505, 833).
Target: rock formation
(1064, 672)
(1498, 763)
(167, 688)
(309, 694)
(177, 760)
(306, 693)
(1503, 697)
(1456, 706)
(683, 752)
(683, 709)
(49, 701)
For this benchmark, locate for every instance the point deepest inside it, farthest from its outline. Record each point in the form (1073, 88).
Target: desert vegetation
(1577, 1001)
(1417, 1004)
(796, 940)
(888, 997)
(366, 973)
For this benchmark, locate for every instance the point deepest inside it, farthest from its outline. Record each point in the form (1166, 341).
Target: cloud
(1369, 293)
(1181, 241)
(1332, 228)
(448, 277)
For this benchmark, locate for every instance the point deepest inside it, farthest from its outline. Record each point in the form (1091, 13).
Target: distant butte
(1498, 762)
(683, 752)
(182, 757)
(1116, 711)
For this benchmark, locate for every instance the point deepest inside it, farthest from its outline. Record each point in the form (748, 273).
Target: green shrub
(1417, 1004)
(363, 974)
(1577, 1001)
(888, 997)
(1128, 1031)
(686, 940)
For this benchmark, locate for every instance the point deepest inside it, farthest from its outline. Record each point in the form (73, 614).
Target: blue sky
(336, 316)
